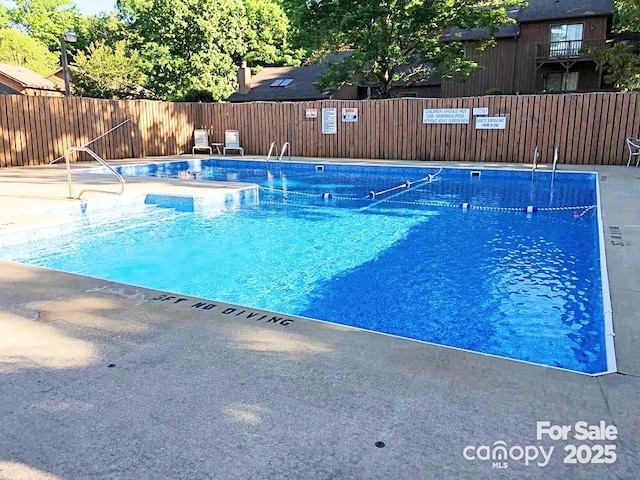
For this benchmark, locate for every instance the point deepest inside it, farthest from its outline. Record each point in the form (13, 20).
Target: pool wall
(609, 333)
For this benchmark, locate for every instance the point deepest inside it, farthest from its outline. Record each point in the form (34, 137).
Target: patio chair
(232, 141)
(201, 141)
(634, 149)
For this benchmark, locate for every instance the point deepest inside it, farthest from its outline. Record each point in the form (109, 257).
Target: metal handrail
(566, 49)
(284, 148)
(535, 161)
(555, 164)
(271, 147)
(99, 159)
(97, 138)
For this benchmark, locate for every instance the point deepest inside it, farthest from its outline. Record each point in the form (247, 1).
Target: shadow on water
(537, 298)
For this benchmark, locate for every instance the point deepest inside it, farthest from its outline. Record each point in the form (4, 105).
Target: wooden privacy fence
(588, 128)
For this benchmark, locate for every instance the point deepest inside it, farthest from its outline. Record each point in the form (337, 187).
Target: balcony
(566, 50)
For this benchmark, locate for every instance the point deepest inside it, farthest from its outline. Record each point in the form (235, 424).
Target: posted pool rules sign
(350, 115)
(329, 121)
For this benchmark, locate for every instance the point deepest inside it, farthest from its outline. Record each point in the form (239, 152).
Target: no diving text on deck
(225, 310)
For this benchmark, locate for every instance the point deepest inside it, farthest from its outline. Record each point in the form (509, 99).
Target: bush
(493, 91)
(198, 95)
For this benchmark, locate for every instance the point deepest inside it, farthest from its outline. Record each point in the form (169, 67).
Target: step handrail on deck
(99, 159)
(126, 120)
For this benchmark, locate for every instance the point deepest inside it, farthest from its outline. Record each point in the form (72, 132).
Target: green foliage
(105, 28)
(187, 44)
(108, 72)
(619, 64)
(299, 36)
(46, 20)
(267, 35)
(627, 15)
(493, 91)
(198, 96)
(4, 16)
(387, 35)
(196, 45)
(18, 48)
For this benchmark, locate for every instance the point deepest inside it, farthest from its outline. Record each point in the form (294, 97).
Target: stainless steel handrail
(97, 138)
(286, 146)
(535, 162)
(99, 159)
(555, 163)
(271, 147)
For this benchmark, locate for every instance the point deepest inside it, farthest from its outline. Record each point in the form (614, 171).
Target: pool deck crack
(604, 397)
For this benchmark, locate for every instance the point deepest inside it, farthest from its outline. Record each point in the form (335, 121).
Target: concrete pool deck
(102, 380)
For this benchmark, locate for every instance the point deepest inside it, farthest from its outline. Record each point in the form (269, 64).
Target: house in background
(279, 84)
(545, 51)
(57, 76)
(18, 80)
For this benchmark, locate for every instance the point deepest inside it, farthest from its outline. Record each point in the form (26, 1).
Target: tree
(46, 20)
(106, 28)
(267, 35)
(18, 48)
(187, 44)
(620, 66)
(4, 16)
(385, 35)
(108, 72)
(620, 63)
(192, 48)
(627, 16)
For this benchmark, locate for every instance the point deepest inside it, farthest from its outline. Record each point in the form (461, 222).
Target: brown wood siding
(497, 71)
(511, 64)
(422, 91)
(588, 128)
(528, 78)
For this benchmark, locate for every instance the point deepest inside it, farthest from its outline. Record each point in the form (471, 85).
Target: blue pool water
(410, 262)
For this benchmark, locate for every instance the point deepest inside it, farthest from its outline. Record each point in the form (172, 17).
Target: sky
(93, 7)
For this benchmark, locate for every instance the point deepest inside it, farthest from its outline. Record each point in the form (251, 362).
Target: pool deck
(100, 380)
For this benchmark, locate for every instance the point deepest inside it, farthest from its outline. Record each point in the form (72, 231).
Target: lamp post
(70, 37)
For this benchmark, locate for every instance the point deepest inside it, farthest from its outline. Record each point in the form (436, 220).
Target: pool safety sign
(445, 115)
(484, 111)
(491, 123)
(329, 121)
(350, 115)
(310, 113)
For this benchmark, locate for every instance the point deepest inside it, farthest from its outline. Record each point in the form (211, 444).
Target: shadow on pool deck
(102, 380)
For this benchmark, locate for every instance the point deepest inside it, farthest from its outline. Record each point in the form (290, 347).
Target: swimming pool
(447, 256)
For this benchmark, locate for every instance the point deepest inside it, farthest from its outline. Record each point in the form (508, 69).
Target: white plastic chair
(232, 141)
(201, 141)
(634, 149)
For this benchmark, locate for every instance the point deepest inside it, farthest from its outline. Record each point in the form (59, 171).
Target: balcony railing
(566, 49)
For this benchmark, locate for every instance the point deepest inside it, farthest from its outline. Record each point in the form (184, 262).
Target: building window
(561, 82)
(566, 40)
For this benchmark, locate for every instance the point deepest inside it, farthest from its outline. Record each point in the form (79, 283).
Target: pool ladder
(536, 154)
(96, 157)
(271, 148)
(555, 164)
(285, 148)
